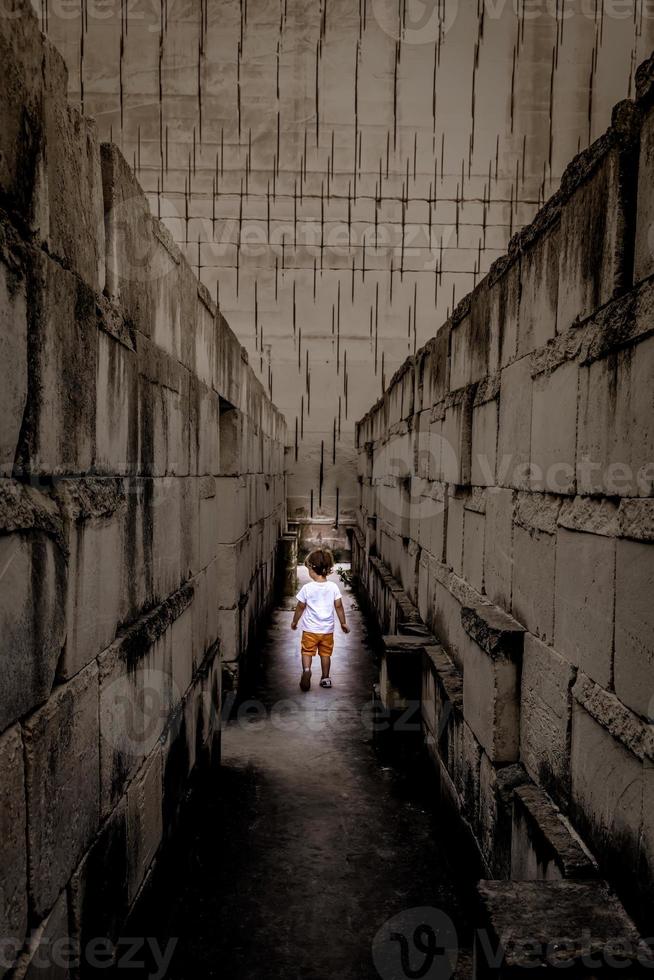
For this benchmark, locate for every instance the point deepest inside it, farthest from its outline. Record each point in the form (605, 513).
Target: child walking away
(317, 604)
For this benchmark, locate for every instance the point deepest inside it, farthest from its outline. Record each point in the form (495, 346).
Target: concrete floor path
(311, 841)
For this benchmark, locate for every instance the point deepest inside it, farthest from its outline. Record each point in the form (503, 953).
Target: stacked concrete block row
(506, 479)
(141, 500)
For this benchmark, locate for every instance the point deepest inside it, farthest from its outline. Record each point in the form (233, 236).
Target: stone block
(137, 693)
(514, 438)
(473, 548)
(49, 952)
(205, 338)
(554, 430)
(59, 435)
(493, 630)
(644, 250)
(497, 784)
(209, 507)
(22, 137)
(93, 524)
(435, 367)
(491, 701)
(232, 572)
(229, 364)
(461, 354)
(456, 445)
(230, 438)
(13, 840)
(62, 780)
(13, 358)
(498, 541)
(205, 429)
(504, 306)
(464, 764)
(31, 616)
(144, 820)
(182, 653)
(74, 227)
(142, 497)
(444, 685)
(229, 631)
(584, 602)
(539, 282)
(454, 533)
(634, 626)
(546, 717)
(205, 611)
(193, 548)
(138, 268)
(439, 454)
(549, 926)
(592, 242)
(484, 444)
(607, 791)
(50, 165)
(166, 531)
(166, 414)
(615, 445)
(100, 886)
(211, 702)
(532, 601)
(116, 415)
(446, 621)
(544, 845)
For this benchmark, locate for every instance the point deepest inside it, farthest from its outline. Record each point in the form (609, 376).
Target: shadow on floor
(309, 840)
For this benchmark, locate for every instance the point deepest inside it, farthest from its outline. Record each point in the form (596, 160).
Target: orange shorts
(321, 643)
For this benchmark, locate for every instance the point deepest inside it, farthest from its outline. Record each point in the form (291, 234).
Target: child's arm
(340, 612)
(299, 609)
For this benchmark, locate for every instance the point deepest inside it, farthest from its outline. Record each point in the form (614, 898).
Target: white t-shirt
(319, 598)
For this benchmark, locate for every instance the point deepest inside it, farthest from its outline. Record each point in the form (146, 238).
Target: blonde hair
(320, 560)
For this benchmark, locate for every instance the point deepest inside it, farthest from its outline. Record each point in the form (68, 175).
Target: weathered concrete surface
(13, 840)
(135, 440)
(62, 770)
(544, 845)
(553, 925)
(535, 511)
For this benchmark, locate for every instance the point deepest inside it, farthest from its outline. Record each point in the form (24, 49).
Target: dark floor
(311, 840)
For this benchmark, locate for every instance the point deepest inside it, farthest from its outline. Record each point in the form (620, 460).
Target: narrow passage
(310, 840)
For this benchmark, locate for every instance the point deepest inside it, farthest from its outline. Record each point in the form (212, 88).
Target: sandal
(326, 682)
(305, 680)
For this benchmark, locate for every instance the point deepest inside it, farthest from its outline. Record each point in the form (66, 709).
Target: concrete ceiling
(340, 172)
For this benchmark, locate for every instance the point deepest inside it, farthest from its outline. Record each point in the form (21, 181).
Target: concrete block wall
(141, 500)
(506, 484)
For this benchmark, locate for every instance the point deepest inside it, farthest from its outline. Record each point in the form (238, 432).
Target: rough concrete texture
(136, 445)
(554, 925)
(13, 846)
(544, 845)
(549, 527)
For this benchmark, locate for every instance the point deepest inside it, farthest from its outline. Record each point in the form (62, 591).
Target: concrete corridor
(310, 839)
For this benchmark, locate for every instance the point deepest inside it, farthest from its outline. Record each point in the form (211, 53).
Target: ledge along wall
(141, 499)
(506, 480)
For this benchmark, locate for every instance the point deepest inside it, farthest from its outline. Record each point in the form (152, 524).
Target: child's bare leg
(325, 663)
(306, 661)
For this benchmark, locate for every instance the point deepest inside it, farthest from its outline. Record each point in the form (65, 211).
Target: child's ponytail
(321, 561)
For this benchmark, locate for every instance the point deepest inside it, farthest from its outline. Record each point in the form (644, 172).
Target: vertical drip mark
(322, 471)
